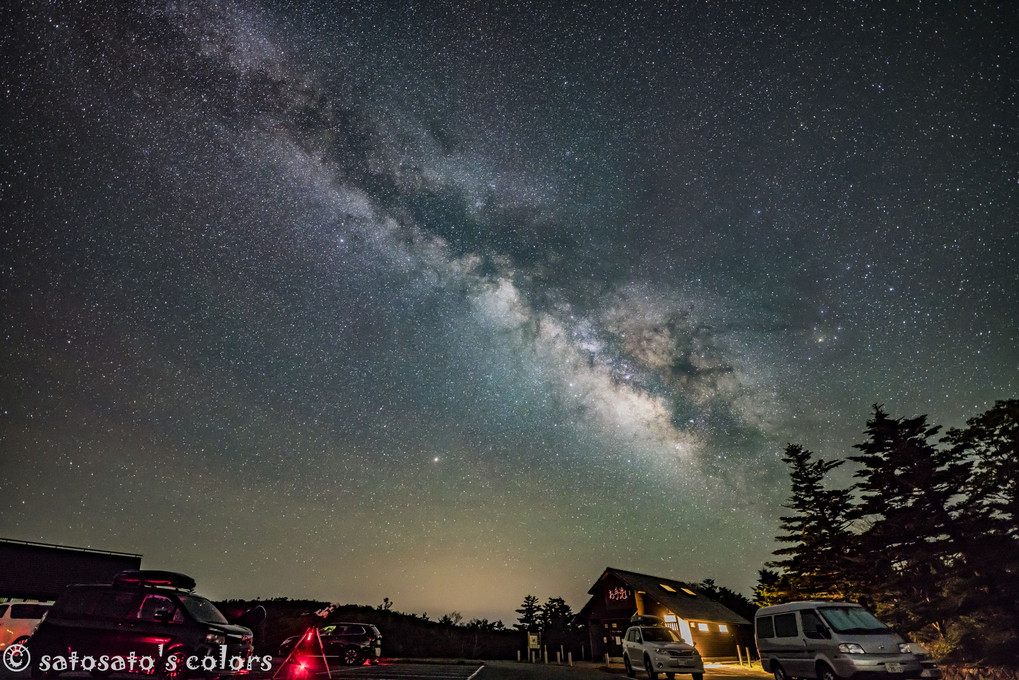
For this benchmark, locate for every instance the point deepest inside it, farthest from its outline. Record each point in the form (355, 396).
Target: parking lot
(511, 670)
(453, 670)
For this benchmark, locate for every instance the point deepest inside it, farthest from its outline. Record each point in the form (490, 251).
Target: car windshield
(202, 609)
(659, 635)
(853, 620)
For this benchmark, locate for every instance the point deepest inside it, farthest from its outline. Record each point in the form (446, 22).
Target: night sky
(451, 303)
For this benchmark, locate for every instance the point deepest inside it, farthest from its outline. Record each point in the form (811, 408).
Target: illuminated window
(665, 587)
(670, 618)
(702, 626)
(689, 592)
(722, 628)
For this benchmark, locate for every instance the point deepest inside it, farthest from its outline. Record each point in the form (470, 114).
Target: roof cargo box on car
(153, 577)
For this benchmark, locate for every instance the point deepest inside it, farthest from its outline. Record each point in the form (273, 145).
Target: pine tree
(910, 546)
(558, 624)
(817, 531)
(556, 616)
(988, 593)
(727, 597)
(771, 587)
(992, 441)
(530, 612)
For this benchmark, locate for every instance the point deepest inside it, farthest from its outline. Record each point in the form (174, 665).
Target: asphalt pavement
(448, 670)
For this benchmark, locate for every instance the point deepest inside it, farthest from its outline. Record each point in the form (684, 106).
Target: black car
(144, 622)
(352, 643)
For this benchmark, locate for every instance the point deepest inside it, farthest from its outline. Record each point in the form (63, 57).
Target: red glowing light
(154, 640)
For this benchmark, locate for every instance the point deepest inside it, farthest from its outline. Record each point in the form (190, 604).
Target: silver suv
(660, 650)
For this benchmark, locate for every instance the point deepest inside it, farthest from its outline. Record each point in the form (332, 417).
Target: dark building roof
(40, 571)
(695, 607)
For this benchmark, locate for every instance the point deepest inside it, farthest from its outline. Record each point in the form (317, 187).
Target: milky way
(456, 303)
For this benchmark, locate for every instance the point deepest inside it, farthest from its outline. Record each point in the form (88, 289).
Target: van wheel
(779, 673)
(651, 673)
(629, 667)
(825, 672)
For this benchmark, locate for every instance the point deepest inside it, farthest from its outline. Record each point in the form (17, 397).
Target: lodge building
(618, 595)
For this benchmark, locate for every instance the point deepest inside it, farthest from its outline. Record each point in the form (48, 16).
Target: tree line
(927, 537)
(555, 621)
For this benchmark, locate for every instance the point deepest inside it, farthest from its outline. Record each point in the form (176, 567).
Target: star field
(456, 302)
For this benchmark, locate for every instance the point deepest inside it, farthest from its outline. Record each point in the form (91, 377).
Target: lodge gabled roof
(684, 599)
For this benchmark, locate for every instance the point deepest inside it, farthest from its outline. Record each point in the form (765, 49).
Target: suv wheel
(779, 672)
(629, 668)
(651, 673)
(351, 656)
(172, 664)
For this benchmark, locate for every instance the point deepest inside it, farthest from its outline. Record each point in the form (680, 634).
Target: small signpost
(533, 645)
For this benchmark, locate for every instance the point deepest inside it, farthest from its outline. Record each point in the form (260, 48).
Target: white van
(832, 640)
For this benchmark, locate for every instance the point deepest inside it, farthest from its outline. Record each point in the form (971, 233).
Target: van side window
(765, 627)
(785, 625)
(812, 626)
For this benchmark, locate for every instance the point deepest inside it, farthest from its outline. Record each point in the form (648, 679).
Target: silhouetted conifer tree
(909, 546)
(986, 596)
(817, 533)
(529, 612)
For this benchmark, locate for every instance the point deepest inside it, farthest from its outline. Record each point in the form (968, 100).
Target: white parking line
(407, 672)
